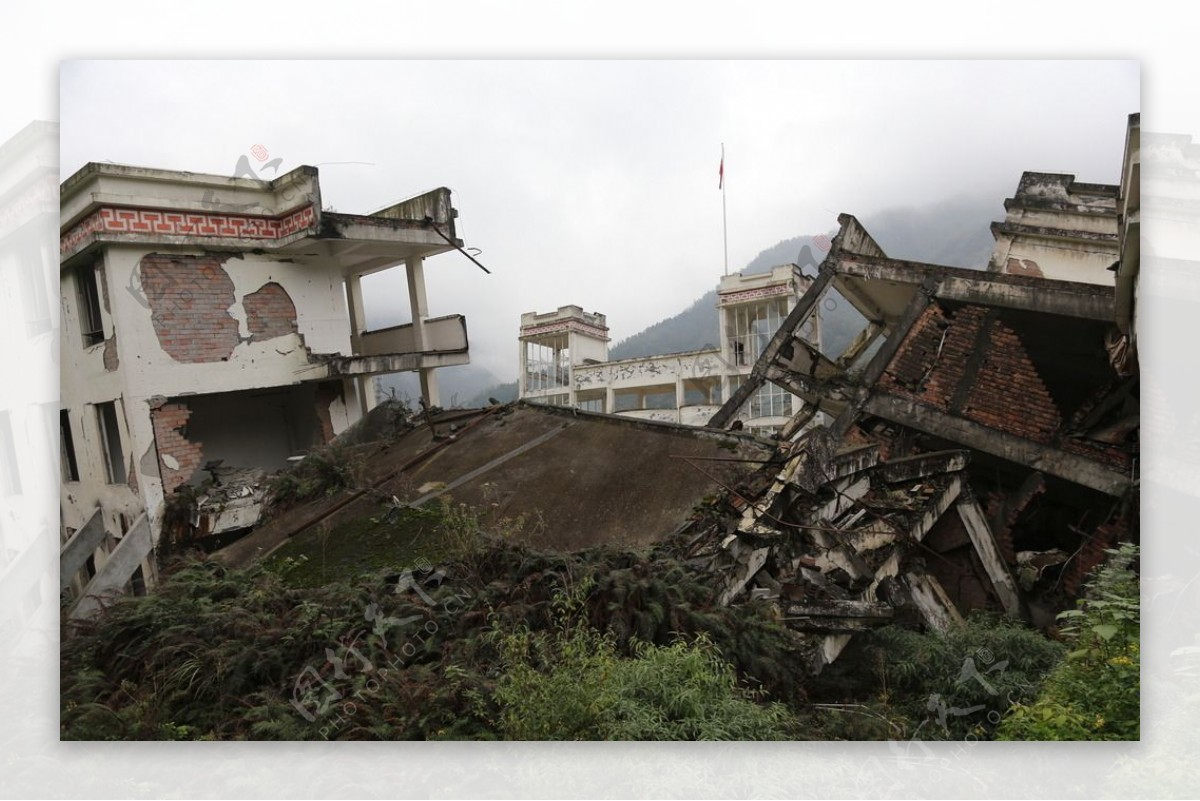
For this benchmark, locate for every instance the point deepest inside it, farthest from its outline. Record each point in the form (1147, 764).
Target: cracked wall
(270, 313)
(111, 360)
(178, 457)
(189, 298)
(327, 392)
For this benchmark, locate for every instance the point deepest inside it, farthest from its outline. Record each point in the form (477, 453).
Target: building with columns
(564, 359)
(213, 331)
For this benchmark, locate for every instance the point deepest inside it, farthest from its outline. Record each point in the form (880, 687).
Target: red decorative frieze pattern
(120, 220)
(565, 325)
(753, 294)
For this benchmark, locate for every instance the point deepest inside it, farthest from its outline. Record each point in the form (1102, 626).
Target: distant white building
(564, 359)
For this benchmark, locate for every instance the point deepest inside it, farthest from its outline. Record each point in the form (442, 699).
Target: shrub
(571, 683)
(324, 471)
(958, 683)
(1093, 694)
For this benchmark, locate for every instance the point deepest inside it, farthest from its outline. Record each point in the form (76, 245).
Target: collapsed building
(983, 449)
(213, 330)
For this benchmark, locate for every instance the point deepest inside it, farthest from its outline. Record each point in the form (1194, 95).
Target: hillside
(955, 232)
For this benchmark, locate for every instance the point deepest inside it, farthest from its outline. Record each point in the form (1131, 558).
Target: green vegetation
(324, 471)
(1093, 693)
(414, 653)
(947, 686)
(417, 624)
(573, 683)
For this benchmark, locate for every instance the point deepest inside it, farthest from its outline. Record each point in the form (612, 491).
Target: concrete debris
(234, 501)
(981, 457)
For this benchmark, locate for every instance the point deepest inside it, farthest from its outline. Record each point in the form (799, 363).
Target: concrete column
(610, 400)
(352, 387)
(358, 317)
(419, 304)
(680, 393)
(572, 342)
(522, 368)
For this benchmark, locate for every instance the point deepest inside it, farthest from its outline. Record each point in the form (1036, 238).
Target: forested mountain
(954, 232)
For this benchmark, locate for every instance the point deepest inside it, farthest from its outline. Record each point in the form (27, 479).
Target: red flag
(721, 171)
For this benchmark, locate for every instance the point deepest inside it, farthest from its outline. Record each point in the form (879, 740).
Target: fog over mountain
(954, 232)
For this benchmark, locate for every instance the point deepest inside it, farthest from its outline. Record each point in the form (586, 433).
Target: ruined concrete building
(564, 359)
(984, 455)
(213, 328)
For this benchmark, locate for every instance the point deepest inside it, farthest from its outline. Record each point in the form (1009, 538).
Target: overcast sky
(595, 182)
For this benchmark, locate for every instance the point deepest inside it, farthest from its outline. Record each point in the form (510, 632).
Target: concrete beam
(937, 509)
(1066, 298)
(910, 468)
(742, 573)
(83, 543)
(848, 491)
(985, 547)
(879, 362)
(936, 608)
(831, 648)
(1045, 458)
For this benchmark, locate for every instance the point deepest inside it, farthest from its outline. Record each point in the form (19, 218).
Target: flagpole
(724, 217)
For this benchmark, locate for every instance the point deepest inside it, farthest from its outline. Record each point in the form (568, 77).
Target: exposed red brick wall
(167, 420)
(1023, 267)
(1105, 453)
(1006, 393)
(910, 373)
(1092, 555)
(189, 300)
(856, 436)
(111, 362)
(1003, 508)
(327, 392)
(270, 312)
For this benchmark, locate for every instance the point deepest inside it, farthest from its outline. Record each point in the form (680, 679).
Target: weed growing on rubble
(897, 683)
(571, 683)
(1093, 693)
(214, 653)
(324, 471)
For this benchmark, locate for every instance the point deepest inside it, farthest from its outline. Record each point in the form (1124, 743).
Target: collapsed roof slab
(872, 282)
(578, 479)
(1045, 458)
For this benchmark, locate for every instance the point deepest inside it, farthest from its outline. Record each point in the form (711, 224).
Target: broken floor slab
(576, 479)
(988, 386)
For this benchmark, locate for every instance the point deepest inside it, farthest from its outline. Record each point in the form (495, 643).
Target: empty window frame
(552, 400)
(110, 441)
(90, 324)
(591, 402)
(547, 364)
(751, 327)
(66, 447)
(770, 401)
